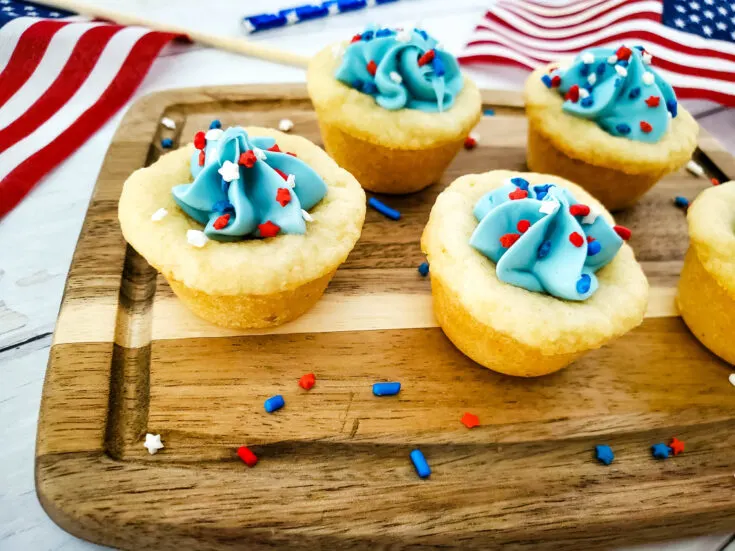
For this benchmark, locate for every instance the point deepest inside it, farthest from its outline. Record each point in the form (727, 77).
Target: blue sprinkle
(601, 68)
(224, 185)
(673, 107)
(660, 451)
(604, 454)
(589, 87)
(541, 191)
(639, 47)
(369, 88)
(367, 36)
(520, 182)
(544, 249)
(223, 206)
(587, 102)
(384, 209)
(422, 33)
(634, 93)
(584, 70)
(618, 82)
(167, 143)
(419, 462)
(623, 128)
(681, 202)
(623, 62)
(488, 112)
(386, 389)
(383, 32)
(584, 283)
(215, 124)
(274, 403)
(438, 65)
(593, 247)
(357, 84)
(424, 269)
(546, 79)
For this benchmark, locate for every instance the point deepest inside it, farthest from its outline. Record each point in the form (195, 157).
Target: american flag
(692, 41)
(61, 77)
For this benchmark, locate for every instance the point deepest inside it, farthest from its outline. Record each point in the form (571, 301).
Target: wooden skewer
(230, 44)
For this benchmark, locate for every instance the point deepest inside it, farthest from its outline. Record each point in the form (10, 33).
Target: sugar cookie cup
(507, 328)
(388, 151)
(250, 283)
(706, 296)
(615, 168)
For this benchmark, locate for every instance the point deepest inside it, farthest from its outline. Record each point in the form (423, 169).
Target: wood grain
(334, 470)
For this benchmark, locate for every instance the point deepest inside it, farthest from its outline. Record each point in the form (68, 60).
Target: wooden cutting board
(334, 471)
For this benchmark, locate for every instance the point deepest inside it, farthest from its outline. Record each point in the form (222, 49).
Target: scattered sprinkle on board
(384, 209)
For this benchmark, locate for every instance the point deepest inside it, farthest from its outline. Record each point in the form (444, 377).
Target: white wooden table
(38, 238)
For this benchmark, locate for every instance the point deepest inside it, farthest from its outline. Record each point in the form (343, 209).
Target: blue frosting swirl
(242, 188)
(401, 69)
(541, 239)
(619, 90)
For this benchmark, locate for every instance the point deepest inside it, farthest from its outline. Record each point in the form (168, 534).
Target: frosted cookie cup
(706, 297)
(393, 108)
(543, 277)
(256, 236)
(609, 122)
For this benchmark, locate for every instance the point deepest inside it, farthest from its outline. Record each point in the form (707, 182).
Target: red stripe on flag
(22, 179)
(82, 60)
(28, 53)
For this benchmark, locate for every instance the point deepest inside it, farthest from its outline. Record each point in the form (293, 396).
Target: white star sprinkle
(285, 125)
(213, 134)
(647, 58)
(168, 123)
(622, 71)
(196, 238)
(591, 217)
(549, 207)
(291, 181)
(403, 36)
(679, 22)
(731, 378)
(395, 77)
(259, 154)
(647, 78)
(588, 58)
(694, 5)
(159, 215)
(153, 443)
(333, 9)
(583, 93)
(592, 78)
(229, 171)
(706, 29)
(709, 14)
(680, 9)
(694, 18)
(721, 26)
(292, 18)
(612, 60)
(306, 216)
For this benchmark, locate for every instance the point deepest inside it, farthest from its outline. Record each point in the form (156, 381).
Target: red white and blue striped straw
(308, 12)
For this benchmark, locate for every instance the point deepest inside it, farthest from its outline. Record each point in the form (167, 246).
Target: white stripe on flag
(10, 35)
(53, 62)
(587, 21)
(104, 72)
(552, 10)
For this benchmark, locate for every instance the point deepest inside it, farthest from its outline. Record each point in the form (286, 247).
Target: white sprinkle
(475, 136)
(153, 443)
(622, 71)
(196, 238)
(439, 46)
(168, 123)
(306, 216)
(260, 154)
(403, 36)
(333, 9)
(291, 181)
(583, 93)
(591, 217)
(292, 18)
(337, 49)
(647, 78)
(213, 134)
(549, 207)
(592, 78)
(694, 168)
(395, 77)
(247, 26)
(159, 215)
(285, 125)
(647, 58)
(612, 60)
(588, 58)
(731, 378)
(229, 171)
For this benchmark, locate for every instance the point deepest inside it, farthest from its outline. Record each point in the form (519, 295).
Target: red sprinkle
(268, 229)
(508, 239)
(428, 57)
(623, 53)
(715, 181)
(291, 153)
(247, 159)
(247, 456)
(518, 194)
(221, 222)
(283, 196)
(676, 445)
(579, 210)
(555, 81)
(653, 101)
(200, 142)
(623, 232)
(470, 421)
(307, 381)
(523, 226)
(470, 142)
(576, 239)
(356, 38)
(283, 174)
(372, 67)
(572, 94)
(646, 127)
(275, 148)
(201, 158)
(590, 239)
